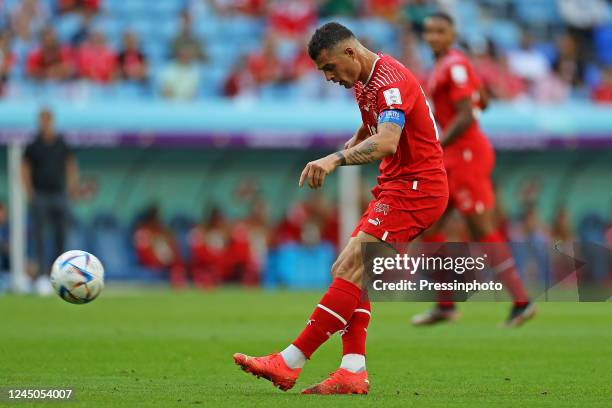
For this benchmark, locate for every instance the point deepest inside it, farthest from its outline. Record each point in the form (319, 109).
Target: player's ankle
(293, 357)
(354, 363)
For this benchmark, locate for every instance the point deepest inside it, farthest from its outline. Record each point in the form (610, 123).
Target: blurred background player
(50, 176)
(469, 158)
(411, 194)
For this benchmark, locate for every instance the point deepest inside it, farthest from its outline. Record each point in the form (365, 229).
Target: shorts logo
(375, 221)
(381, 208)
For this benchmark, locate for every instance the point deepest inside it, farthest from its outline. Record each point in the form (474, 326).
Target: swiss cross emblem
(381, 208)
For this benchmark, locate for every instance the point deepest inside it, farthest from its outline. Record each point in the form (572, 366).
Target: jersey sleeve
(462, 81)
(396, 96)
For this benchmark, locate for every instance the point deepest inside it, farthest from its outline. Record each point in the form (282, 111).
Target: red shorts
(469, 178)
(400, 218)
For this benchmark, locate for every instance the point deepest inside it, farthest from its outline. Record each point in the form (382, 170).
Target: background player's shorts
(393, 218)
(469, 179)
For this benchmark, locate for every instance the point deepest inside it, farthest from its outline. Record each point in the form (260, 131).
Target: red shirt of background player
(419, 157)
(453, 79)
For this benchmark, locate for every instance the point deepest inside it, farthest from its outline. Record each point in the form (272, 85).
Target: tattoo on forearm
(342, 158)
(362, 154)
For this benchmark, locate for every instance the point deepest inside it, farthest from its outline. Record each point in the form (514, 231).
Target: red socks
(503, 263)
(355, 333)
(331, 314)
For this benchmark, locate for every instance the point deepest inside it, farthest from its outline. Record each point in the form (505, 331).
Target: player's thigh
(481, 224)
(471, 190)
(349, 265)
(438, 226)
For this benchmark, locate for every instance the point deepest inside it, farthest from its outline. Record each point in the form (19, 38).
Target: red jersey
(418, 160)
(453, 79)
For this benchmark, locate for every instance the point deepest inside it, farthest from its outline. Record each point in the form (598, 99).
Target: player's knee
(348, 268)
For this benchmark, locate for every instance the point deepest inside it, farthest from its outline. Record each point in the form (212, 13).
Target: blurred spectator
(387, 9)
(330, 8)
(180, 80)
(416, 11)
(289, 229)
(602, 93)
(321, 214)
(132, 62)
(29, 16)
(186, 39)
(551, 88)
(257, 224)
(567, 62)
(561, 229)
(7, 60)
(84, 31)
(222, 253)
(208, 243)
(527, 62)
(409, 55)
(96, 61)
(582, 16)
(4, 239)
(300, 65)
(498, 80)
(291, 18)
(52, 60)
(239, 82)
(50, 173)
(157, 248)
(253, 8)
(81, 6)
(264, 66)
(608, 232)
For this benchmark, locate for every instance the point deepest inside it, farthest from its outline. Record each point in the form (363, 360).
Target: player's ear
(350, 52)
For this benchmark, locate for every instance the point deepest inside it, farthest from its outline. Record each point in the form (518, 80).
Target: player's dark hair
(326, 37)
(443, 16)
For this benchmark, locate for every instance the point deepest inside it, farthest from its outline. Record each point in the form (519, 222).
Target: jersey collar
(372, 71)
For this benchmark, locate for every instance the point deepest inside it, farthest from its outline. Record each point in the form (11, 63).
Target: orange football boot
(271, 367)
(341, 382)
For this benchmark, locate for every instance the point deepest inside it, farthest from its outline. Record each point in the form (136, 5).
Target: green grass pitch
(161, 349)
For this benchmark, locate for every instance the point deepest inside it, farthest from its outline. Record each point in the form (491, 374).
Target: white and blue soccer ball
(77, 276)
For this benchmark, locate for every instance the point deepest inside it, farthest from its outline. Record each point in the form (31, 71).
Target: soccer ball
(77, 276)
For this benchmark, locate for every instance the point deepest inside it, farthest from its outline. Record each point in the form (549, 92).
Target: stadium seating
(157, 22)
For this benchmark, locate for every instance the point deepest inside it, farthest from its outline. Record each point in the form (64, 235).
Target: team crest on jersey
(382, 208)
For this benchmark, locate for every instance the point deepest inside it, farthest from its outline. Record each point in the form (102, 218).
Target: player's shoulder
(457, 66)
(390, 73)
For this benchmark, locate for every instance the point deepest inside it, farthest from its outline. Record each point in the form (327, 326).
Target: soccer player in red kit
(469, 160)
(411, 194)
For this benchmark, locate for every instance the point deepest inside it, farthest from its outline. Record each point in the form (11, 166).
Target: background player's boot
(341, 381)
(271, 367)
(436, 315)
(520, 314)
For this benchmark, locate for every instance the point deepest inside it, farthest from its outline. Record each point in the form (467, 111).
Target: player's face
(439, 34)
(339, 66)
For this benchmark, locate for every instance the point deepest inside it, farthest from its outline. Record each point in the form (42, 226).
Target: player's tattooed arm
(360, 135)
(372, 149)
(460, 123)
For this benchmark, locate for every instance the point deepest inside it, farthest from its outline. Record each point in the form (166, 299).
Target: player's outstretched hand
(315, 171)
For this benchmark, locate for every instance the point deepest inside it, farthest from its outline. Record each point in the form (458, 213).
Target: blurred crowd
(561, 53)
(218, 249)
